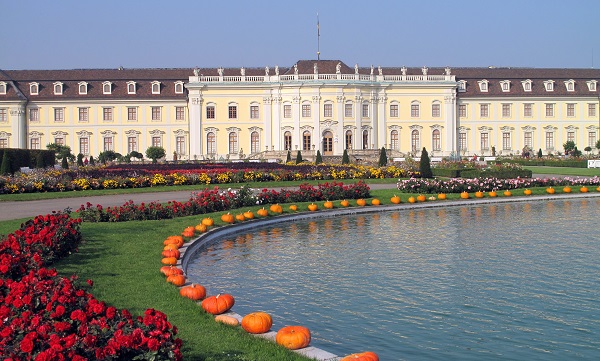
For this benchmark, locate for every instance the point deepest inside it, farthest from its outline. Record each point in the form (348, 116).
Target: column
(316, 115)
(267, 122)
(451, 138)
(276, 129)
(19, 126)
(196, 136)
(341, 133)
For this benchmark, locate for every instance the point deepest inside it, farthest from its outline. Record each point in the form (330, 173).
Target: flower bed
(46, 317)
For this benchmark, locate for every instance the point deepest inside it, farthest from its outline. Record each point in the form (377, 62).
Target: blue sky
(169, 34)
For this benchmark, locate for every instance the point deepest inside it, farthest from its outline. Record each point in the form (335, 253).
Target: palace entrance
(327, 143)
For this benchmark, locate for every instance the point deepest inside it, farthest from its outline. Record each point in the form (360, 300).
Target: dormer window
(106, 87)
(462, 86)
(58, 88)
(592, 85)
(2, 87)
(83, 88)
(526, 85)
(549, 85)
(570, 85)
(505, 85)
(178, 87)
(155, 87)
(131, 87)
(34, 88)
(483, 85)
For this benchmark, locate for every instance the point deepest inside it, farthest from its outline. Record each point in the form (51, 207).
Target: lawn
(565, 171)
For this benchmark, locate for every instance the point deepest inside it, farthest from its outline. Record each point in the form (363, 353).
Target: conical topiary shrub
(298, 158)
(5, 167)
(382, 157)
(425, 165)
(345, 157)
(319, 158)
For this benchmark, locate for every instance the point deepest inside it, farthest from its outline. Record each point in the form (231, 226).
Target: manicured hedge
(504, 174)
(550, 162)
(27, 158)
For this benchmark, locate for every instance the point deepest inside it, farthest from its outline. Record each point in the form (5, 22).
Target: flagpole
(318, 39)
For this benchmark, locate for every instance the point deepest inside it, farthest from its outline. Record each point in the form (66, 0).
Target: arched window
(254, 142)
(365, 137)
(211, 143)
(435, 140)
(395, 144)
(348, 139)
(233, 143)
(287, 141)
(414, 140)
(306, 141)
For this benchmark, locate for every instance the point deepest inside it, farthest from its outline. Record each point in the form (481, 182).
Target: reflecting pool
(518, 281)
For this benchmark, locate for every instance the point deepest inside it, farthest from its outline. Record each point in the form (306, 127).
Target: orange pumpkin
(169, 261)
(493, 194)
(412, 199)
(227, 218)
(293, 337)
(178, 240)
(218, 304)
(567, 189)
(193, 292)
(328, 204)
(550, 190)
(257, 322)
(240, 217)
(170, 246)
(171, 253)
(421, 198)
(583, 189)
(312, 207)
(345, 203)
(597, 189)
(276, 208)
(170, 270)
(361, 202)
(507, 193)
(293, 207)
(262, 212)
(375, 202)
(395, 199)
(442, 196)
(188, 232)
(201, 228)
(362, 356)
(527, 192)
(249, 215)
(228, 320)
(479, 194)
(208, 221)
(464, 195)
(177, 280)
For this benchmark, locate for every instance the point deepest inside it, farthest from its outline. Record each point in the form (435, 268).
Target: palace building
(326, 105)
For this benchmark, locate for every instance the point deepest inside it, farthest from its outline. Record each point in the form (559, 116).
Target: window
(591, 110)
(287, 110)
(131, 87)
(107, 115)
(155, 87)
(528, 139)
(3, 115)
(570, 110)
(3, 142)
(435, 110)
(59, 140)
(592, 85)
(365, 110)
(58, 88)
(131, 144)
(348, 110)
(549, 85)
(549, 110)
(254, 142)
(233, 143)
(106, 87)
(436, 141)
(156, 142)
(505, 86)
(527, 110)
(506, 110)
(526, 85)
(328, 110)
(84, 145)
(348, 139)
(210, 112)
(305, 110)
(306, 140)
(34, 115)
(287, 141)
(462, 141)
(506, 144)
(211, 143)
(59, 114)
(178, 87)
(462, 86)
(483, 85)
(34, 143)
(394, 140)
(570, 136)
(414, 110)
(180, 147)
(570, 85)
(485, 141)
(132, 114)
(394, 110)
(2, 87)
(484, 111)
(108, 143)
(414, 141)
(83, 88)
(34, 88)
(592, 139)
(233, 112)
(365, 136)
(254, 112)
(179, 113)
(462, 110)
(83, 114)
(155, 113)
(549, 140)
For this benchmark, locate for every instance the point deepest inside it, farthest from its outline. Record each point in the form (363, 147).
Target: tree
(39, 161)
(155, 153)
(64, 163)
(569, 146)
(382, 157)
(289, 157)
(5, 167)
(576, 152)
(345, 157)
(319, 158)
(425, 165)
(80, 160)
(298, 158)
(598, 145)
(108, 156)
(61, 151)
(135, 154)
(588, 149)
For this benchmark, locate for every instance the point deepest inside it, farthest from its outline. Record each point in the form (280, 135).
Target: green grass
(566, 171)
